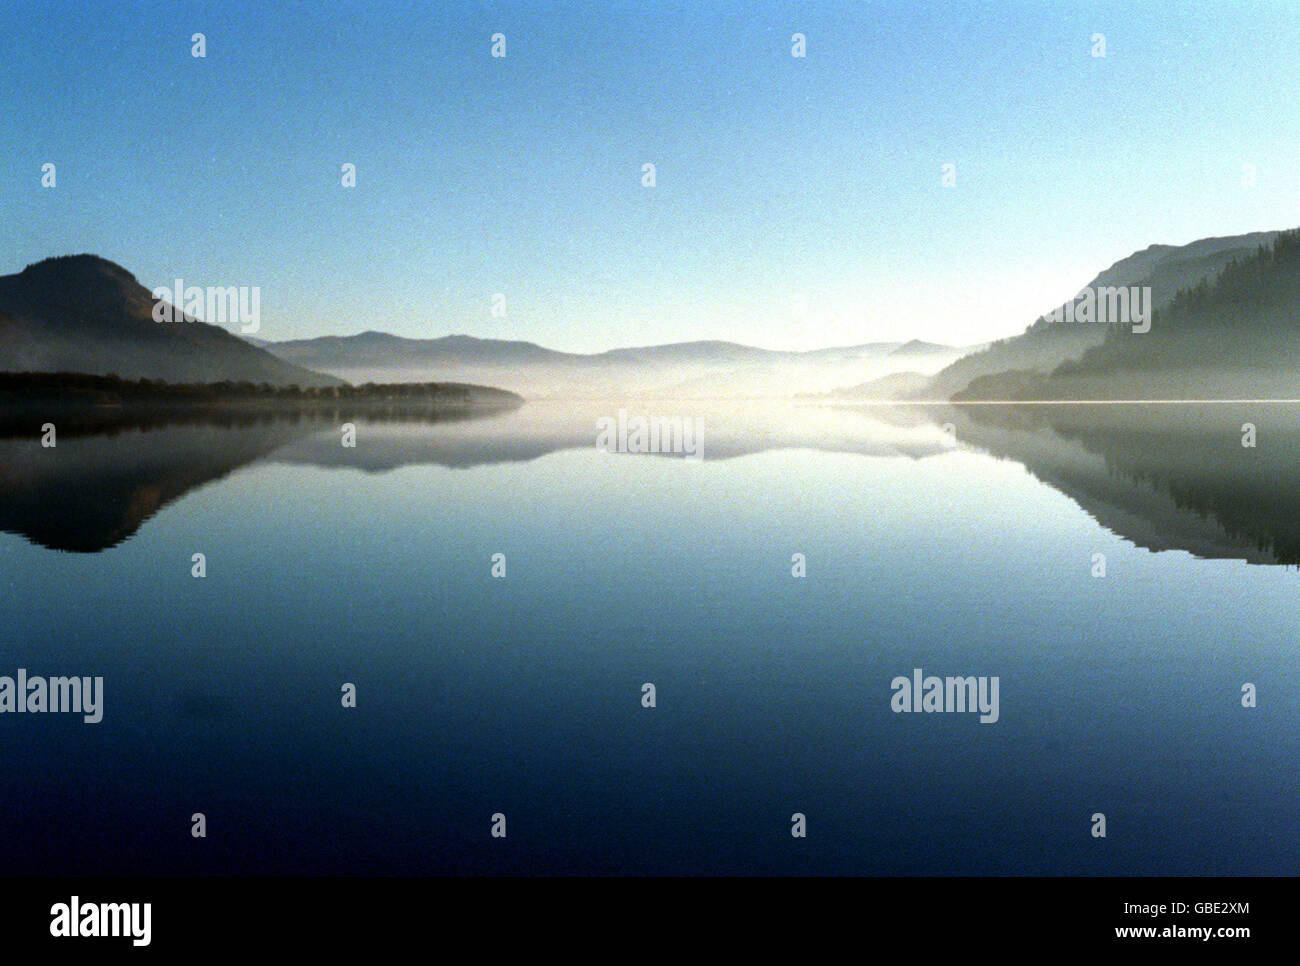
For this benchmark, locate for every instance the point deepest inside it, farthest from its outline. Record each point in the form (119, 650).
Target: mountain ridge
(1044, 344)
(84, 313)
(699, 368)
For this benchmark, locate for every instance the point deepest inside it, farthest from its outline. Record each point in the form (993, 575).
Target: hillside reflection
(1163, 477)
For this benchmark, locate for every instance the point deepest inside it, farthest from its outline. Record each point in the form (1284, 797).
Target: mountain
(916, 349)
(378, 351)
(1046, 344)
(702, 369)
(897, 385)
(82, 313)
(1235, 337)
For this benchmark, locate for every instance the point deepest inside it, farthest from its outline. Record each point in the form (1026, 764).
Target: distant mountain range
(1223, 314)
(85, 314)
(707, 369)
(82, 313)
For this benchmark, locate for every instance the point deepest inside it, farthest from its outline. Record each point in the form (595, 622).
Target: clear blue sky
(778, 178)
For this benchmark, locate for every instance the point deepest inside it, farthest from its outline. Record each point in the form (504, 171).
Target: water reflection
(1163, 477)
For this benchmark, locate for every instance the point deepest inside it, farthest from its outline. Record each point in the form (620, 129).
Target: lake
(961, 541)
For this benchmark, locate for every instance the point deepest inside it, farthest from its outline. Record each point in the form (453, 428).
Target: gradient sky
(779, 179)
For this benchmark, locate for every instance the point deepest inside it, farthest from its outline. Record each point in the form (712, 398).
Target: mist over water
(959, 540)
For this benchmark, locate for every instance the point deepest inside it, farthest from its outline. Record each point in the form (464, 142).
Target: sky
(798, 202)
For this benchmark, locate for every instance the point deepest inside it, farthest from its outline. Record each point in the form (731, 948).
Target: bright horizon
(780, 182)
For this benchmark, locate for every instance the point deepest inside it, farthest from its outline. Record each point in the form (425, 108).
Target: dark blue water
(522, 695)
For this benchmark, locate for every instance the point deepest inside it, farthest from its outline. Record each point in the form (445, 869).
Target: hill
(1237, 336)
(1045, 344)
(82, 313)
(701, 369)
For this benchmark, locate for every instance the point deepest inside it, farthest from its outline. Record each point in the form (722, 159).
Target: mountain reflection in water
(1162, 477)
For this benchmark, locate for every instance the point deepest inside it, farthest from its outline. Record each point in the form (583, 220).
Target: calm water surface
(523, 696)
